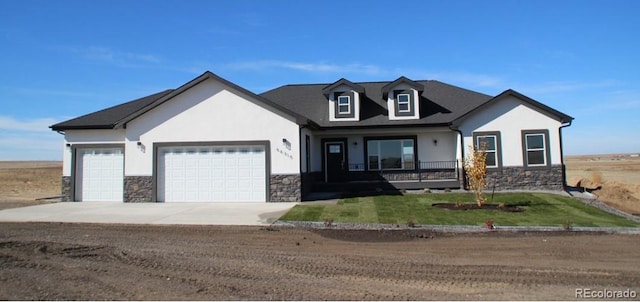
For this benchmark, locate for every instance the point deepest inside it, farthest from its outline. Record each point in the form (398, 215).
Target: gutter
(564, 170)
(464, 178)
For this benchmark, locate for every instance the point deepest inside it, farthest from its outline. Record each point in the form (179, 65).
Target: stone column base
(138, 189)
(285, 188)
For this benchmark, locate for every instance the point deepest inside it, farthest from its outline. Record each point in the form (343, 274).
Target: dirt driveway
(124, 262)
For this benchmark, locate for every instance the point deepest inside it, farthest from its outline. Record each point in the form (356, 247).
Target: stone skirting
(520, 178)
(285, 188)
(138, 189)
(66, 189)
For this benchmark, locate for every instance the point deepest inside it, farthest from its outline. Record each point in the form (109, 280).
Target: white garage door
(99, 174)
(212, 173)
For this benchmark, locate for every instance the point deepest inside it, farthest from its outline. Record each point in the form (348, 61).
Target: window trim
(546, 151)
(348, 104)
(407, 102)
(336, 104)
(498, 151)
(414, 139)
(396, 104)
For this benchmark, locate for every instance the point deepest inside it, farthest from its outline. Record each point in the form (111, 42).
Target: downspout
(464, 179)
(564, 169)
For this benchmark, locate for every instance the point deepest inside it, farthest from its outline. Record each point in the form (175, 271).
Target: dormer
(344, 100)
(403, 99)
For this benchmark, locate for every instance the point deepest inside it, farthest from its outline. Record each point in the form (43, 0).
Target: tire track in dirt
(97, 262)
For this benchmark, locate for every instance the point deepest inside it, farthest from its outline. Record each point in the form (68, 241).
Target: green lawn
(540, 209)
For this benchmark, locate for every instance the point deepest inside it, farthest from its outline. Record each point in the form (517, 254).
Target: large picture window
(391, 154)
(535, 147)
(491, 143)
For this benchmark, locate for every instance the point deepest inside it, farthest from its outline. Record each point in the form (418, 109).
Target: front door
(335, 161)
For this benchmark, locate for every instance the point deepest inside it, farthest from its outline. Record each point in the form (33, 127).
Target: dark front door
(335, 161)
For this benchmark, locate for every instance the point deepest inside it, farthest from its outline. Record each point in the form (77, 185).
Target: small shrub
(567, 225)
(458, 204)
(328, 222)
(475, 167)
(427, 190)
(411, 222)
(501, 205)
(489, 224)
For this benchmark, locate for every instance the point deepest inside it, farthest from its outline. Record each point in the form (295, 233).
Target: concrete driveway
(150, 213)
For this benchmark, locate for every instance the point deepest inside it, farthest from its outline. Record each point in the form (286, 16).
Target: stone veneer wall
(285, 188)
(66, 189)
(520, 178)
(138, 189)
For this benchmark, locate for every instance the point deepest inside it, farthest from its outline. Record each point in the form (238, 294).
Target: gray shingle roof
(108, 118)
(440, 104)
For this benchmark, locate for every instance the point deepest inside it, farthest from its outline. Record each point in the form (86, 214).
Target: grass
(541, 209)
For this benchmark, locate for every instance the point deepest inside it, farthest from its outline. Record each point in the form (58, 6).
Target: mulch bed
(465, 207)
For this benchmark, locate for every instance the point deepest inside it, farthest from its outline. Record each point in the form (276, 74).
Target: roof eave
(562, 117)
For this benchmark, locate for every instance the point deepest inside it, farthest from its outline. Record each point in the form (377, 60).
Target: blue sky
(61, 59)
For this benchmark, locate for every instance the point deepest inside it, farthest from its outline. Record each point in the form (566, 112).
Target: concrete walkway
(150, 213)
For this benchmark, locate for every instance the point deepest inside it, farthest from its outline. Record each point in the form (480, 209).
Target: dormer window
(344, 100)
(344, 104)
(403, 102)
(403, 99)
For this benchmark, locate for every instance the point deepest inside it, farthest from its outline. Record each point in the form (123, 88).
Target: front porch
(355, 179)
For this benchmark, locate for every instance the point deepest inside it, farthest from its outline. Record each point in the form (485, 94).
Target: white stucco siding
(510, 116)
(211, 112)
(437, 146)
(87, 137)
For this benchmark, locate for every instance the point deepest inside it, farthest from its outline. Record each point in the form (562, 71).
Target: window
(403, 103)
(535, 146)
(344, 105)
(391, 154)
(492, 145)
(489, 143)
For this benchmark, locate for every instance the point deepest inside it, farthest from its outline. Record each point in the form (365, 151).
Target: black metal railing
(426, 171)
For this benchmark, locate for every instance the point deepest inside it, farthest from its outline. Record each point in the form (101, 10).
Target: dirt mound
(618, 195)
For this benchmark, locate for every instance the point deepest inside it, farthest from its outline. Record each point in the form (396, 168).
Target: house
(212, 140)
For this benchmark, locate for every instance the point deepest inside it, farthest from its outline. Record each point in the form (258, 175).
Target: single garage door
(212, 174)
(99, 174)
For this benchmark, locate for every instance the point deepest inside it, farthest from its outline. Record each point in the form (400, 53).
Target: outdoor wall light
(355, 143)
(139, 143)
(435, 142)
(284, 140)
(68, 145)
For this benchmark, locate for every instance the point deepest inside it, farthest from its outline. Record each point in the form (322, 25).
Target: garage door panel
(212, 173)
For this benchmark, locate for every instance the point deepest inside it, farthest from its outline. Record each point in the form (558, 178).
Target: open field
(619, 175)
(22, 182)
(53, 261)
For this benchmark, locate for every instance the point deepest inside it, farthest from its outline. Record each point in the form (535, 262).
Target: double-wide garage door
(211, 173)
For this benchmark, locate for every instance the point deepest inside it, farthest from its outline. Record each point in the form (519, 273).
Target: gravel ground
(54, 261)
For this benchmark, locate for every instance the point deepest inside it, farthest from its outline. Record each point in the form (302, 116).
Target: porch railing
(426, 171)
